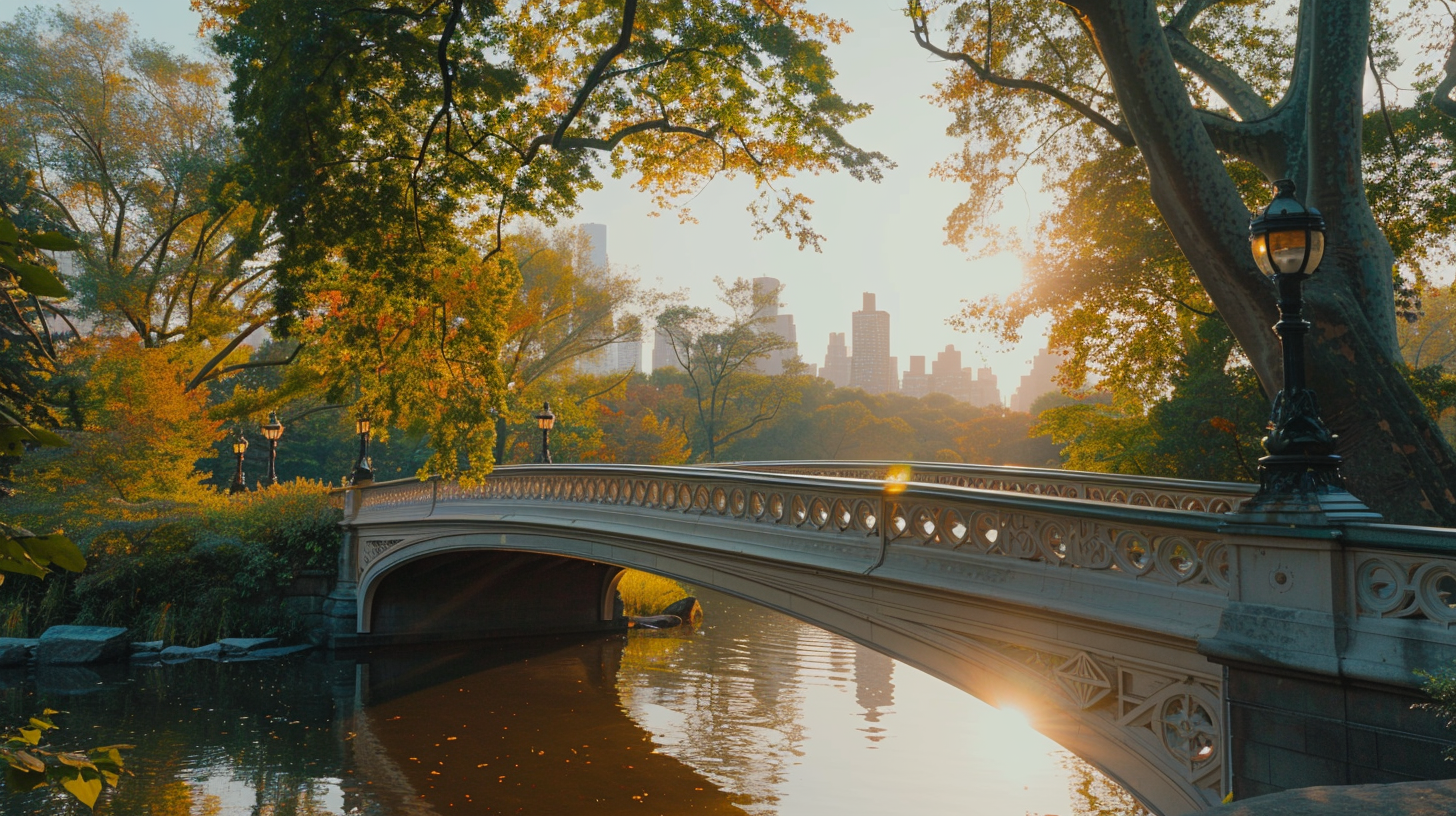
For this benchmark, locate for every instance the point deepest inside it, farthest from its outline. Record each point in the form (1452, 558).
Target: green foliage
(31, 763)
(1203, 429)
(193, 572)
(1441, 687)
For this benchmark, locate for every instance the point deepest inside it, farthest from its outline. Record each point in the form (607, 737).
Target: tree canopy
(1198, 100)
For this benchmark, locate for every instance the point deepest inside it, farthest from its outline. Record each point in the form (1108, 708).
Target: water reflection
(755, 713)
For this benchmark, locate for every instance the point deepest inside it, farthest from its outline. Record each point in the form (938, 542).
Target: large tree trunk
(1396, 459)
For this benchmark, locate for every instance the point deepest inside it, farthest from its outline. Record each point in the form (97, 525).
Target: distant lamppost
(1300, 478)
(545, 421)
(240, 447)
(363, 471)
(272, 431)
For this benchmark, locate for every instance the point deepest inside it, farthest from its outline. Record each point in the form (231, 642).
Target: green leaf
(38, 280)
(19, 780)
(54, 241)
(85, 790)
(55, 549)
(8, 232)
(14, 558)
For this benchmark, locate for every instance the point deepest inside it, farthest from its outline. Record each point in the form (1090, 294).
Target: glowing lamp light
(1287, 238)
(272, 429)
(545, 420)
(240, 445)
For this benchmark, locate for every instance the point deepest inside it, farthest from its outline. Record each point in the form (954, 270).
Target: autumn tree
(714, 353)
(565, 311)
(1198, 90)
(400, 143)
(129, 148)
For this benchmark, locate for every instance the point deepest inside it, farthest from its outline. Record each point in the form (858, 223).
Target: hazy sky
(885, 238)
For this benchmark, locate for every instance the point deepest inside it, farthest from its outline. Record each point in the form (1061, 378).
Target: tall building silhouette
(623, 355)
(871, 367)
(1036, 382)
(782, 325)
(915, 382)
(836, 361)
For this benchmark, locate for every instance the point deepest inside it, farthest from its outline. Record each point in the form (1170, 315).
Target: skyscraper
(836, 361)
(871, 367)
(623, 355)
(782, 325)
(915, 382)
(1036, 382)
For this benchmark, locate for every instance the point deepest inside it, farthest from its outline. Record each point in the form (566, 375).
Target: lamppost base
(237, 487)
(1303, 490)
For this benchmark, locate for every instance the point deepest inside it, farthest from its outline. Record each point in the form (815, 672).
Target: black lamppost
(545, 420)
(363, 471)
(1299, 479)
(240, 447)
(272, 431)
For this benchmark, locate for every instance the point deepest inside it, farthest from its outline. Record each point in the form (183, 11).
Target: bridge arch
(1119, 711)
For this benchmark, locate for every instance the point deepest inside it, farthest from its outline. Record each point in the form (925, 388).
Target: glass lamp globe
(240, 445)
(545, 420)
(1287, 238)
(273, 429)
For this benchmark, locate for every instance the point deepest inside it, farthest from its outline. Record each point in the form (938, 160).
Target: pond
(752, 713)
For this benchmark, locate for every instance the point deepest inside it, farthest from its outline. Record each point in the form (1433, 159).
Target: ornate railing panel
(1138, 491)
(1174, 547)
(1413, 576)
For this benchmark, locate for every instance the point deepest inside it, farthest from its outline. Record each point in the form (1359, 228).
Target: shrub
(646, 594)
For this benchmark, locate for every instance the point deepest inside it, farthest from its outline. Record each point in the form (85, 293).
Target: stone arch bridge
(1134, 620)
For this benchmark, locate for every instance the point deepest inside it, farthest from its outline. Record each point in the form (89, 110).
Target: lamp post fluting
(363, 471)
(240, 447)
(272, 431)
(545, 421)
(1299, 479)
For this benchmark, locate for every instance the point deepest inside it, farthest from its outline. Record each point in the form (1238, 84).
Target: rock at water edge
(239, 646)
(73, 645)
(657, 621)
(15, 651)
(688, 609)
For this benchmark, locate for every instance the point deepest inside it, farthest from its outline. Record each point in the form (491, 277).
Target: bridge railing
(1139, 542)
(1113, 488)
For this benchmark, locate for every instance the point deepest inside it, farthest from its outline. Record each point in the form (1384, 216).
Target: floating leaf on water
(19, 780)
(75, 759)
(85, 790)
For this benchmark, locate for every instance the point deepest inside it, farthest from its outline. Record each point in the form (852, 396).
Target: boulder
(15, 651)
(657, 621)
(73, 645)
(241, 646)
(688, 609)
(147, 646)
(211, 651)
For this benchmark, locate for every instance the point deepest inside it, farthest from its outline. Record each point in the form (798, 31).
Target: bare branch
(922, 38)
(206, 372)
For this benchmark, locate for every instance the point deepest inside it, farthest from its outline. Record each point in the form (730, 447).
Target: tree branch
(922, 37)
(1225, 81)
(206, 372)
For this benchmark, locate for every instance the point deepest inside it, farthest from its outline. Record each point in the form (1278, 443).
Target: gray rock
(657, 621)
(72, 645)
(211, 651)
(147, 646)
(240, 646)
(145, 657)
(1405, 798)
(282, 651)
(16, 651)
(688, 609)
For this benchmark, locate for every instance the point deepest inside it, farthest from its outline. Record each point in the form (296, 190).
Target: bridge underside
(469, 594)
(1105, 693)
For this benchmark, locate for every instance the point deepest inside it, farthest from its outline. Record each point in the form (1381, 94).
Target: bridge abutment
(1321, 687)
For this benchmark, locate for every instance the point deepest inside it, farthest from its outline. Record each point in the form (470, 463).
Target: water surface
(754, 713)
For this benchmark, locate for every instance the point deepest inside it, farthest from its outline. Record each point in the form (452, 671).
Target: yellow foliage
(646, 594)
